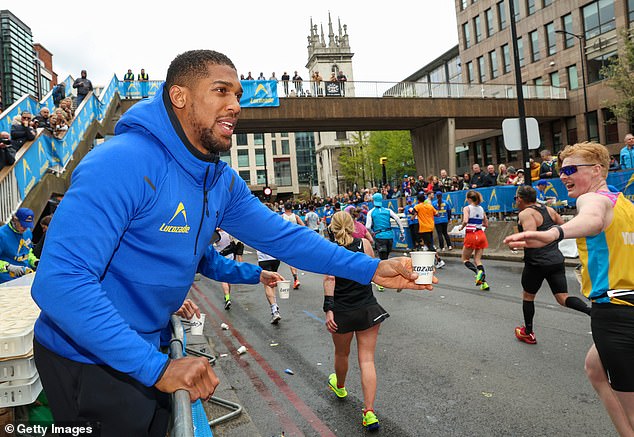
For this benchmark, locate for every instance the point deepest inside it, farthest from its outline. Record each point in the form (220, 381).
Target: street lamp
(582, 43)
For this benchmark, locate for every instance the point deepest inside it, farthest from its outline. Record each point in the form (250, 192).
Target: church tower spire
(331, 34)
(332, 57)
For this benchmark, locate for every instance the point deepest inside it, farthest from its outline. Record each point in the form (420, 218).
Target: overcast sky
(390, 40)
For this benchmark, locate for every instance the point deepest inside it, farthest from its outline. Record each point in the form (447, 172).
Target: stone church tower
(326, 58)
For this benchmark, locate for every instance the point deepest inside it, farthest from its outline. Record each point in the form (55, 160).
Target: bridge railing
(416, 89)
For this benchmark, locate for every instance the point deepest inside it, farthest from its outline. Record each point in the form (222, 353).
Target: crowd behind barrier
(499, 199)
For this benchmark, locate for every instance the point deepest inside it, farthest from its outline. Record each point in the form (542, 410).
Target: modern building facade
(17, 60)
(560, 43)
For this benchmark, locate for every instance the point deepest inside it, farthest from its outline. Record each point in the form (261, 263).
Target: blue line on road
(312, 316)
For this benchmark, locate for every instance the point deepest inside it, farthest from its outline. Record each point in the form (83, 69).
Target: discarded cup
(197, 324)
(423, 265)
(284, 289)
(289, 371)
(241, 350)
(224, 326)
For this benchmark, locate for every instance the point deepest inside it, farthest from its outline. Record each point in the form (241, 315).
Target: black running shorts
(428, 240)
(359, 319)
(270, 265)
(555, 275)
(613, 334)
(383, 246)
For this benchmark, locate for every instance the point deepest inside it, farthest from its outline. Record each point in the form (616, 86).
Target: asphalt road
(448, 363)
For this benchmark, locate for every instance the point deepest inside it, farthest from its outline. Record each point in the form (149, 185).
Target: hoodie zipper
(204, 210)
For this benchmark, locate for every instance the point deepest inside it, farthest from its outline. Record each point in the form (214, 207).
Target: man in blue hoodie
(134, 228)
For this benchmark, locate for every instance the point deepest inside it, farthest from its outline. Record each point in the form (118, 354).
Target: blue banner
(259, 93)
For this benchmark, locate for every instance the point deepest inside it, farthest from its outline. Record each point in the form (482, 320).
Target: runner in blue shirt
(441, 221)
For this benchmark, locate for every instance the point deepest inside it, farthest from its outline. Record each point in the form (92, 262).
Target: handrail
(46, 153)
(182, 422)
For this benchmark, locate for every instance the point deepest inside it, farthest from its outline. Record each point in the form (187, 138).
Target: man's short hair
(192, 65)
(527, 193)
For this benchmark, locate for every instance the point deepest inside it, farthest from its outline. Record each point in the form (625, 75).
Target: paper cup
(284, 289)
(197, 324)
(242, 349)
(423, 265)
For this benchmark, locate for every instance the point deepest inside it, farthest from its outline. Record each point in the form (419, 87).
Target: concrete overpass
(431, 121)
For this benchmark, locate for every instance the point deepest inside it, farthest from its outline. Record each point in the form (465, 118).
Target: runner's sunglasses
(572, 169)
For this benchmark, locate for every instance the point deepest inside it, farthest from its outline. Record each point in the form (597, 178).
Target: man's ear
(178, 96)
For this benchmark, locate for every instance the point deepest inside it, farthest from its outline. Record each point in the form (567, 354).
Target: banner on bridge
(259, 93)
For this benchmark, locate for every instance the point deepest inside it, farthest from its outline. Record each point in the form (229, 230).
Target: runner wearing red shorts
(475, 241)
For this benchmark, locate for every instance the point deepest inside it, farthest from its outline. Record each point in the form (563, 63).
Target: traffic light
(383, 160)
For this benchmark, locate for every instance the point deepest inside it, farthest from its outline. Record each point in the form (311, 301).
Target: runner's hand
(193, 374)
(188, 310)
(397, 273)
(330, 322)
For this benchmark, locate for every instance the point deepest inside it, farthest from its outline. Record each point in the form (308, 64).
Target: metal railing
(421, 90)
(182, 424)
(363, 89)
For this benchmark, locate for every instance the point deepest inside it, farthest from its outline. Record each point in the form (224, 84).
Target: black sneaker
(227, 304)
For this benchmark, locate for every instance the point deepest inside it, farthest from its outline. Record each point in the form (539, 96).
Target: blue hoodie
(134, 228)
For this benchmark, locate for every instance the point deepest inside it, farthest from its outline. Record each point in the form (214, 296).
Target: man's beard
(207, 138)
(211, 143)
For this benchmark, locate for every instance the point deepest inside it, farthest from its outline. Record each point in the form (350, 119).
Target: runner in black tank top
(352, 311)
(542, 263)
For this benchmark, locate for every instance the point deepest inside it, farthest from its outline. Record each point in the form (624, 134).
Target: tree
(354, 160)
(396, 146)
(619, 75)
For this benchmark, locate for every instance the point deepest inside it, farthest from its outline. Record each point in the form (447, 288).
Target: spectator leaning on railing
(21, 131)
(6, 154)
(43, 118)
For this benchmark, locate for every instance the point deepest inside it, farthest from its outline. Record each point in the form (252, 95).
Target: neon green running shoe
(332, 383)
(484, 286)
(479, 277)
(370, 422)
(380, 287)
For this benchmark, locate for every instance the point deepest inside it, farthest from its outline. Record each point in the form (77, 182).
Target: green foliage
(362, 157)
(619, 74)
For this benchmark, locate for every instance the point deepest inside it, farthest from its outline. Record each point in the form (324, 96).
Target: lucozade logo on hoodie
(180, 225)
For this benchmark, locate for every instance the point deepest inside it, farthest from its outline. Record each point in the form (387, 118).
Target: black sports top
(350, 295)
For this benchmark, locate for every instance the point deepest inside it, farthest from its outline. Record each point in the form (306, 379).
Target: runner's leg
(598, 378)
(342, 351)
(366, 345)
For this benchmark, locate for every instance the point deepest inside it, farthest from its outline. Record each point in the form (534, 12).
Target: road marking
(312, 316)
(304, 410)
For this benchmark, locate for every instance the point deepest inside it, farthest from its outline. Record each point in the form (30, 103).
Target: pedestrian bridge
(431, 112)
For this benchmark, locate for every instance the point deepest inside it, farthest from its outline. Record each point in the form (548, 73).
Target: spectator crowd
(294, 86)
(26, 126)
